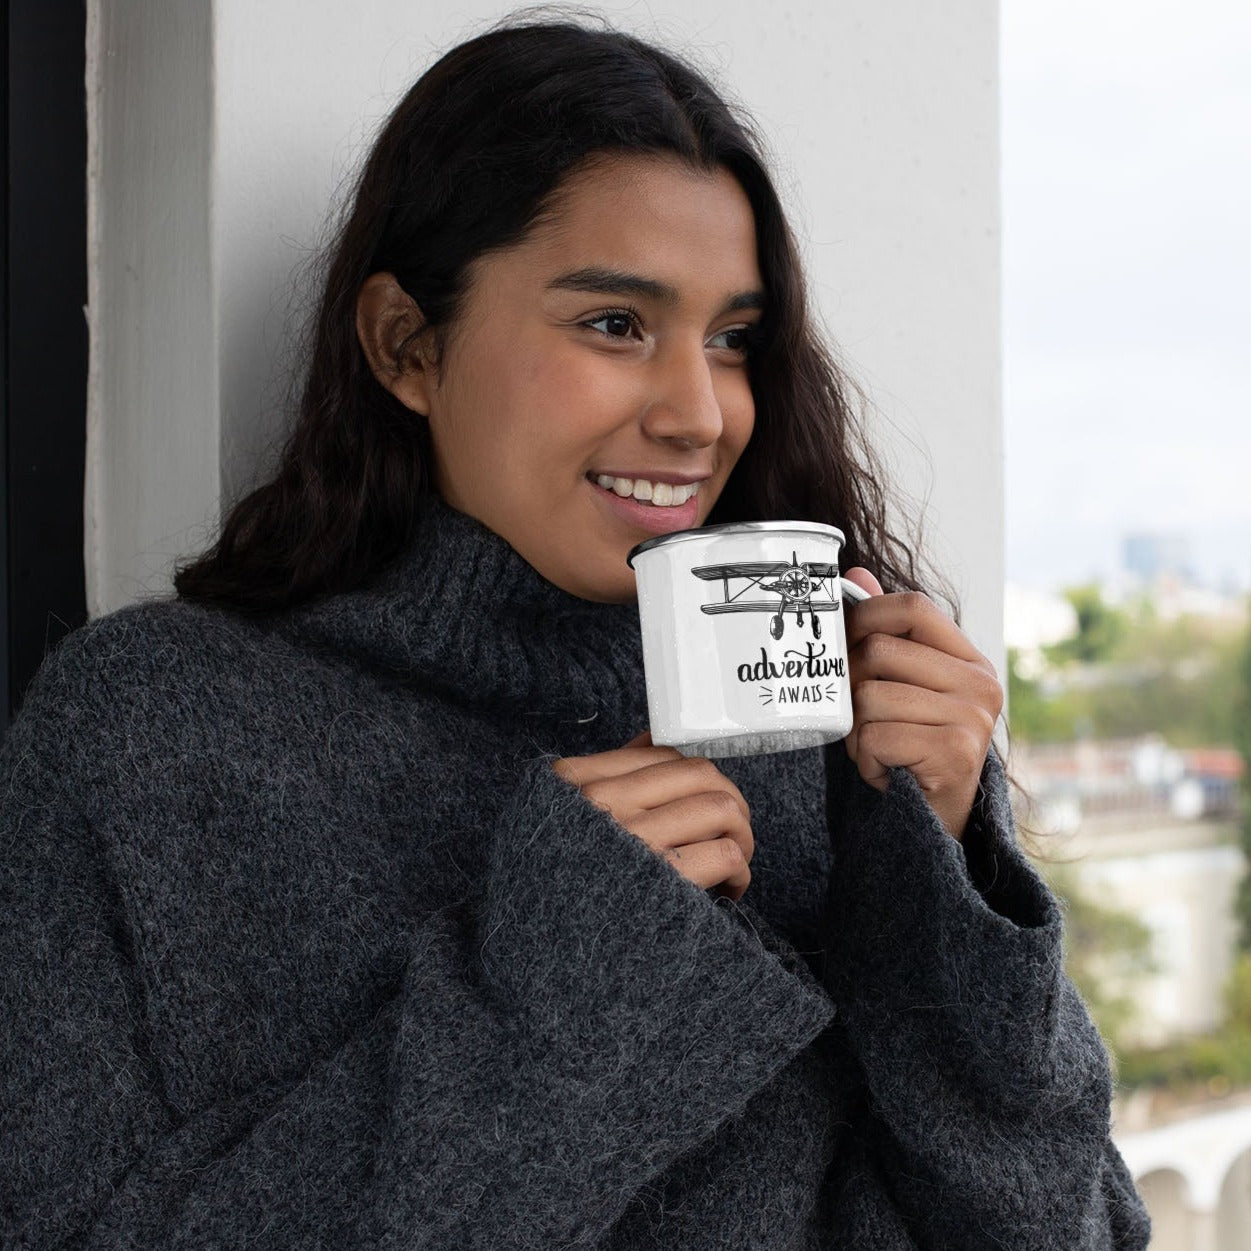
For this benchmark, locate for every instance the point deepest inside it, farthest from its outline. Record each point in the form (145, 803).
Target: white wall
(1185, 897)
(883, 119)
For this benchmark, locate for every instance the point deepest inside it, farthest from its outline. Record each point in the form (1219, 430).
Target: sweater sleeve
(544, 1049)
(988, 1091)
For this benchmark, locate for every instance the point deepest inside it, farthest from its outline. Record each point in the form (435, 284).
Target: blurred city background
(1127, 189)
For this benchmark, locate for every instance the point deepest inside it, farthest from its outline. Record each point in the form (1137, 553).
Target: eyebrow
(617, 282)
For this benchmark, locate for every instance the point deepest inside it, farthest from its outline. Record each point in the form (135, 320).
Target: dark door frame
(43, 336)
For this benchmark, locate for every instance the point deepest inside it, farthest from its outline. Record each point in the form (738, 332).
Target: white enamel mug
(744, 648)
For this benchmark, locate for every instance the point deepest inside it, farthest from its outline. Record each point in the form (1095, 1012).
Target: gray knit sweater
(305, 945)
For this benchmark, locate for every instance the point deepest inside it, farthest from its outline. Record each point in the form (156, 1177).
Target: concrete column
(1203, 1230)
(153, 411)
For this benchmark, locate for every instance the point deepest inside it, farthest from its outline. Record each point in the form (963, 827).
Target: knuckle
(704, 772)
(723, 805)
(728, 788)
(877, 647)
(867, 688)
(748, 845)
(992, 690)
(985, 725)
(595, 793)
(918, 603)
(969, 749)
(730, 856)
(870, 737)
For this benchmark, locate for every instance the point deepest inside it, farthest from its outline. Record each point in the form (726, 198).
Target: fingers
(909, 614)
(685, 809)
(945, 760)
(864, 579)
(938, 755)
(923, 698)
(666, 782)
(715, 864)
(695, 819)
(675, 802)
(888, 657)
(894, 724)
(877, 700)
(579, 770)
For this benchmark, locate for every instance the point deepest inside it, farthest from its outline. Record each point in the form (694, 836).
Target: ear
(387, 318)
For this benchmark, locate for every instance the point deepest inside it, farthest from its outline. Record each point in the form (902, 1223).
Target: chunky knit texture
(305, 945)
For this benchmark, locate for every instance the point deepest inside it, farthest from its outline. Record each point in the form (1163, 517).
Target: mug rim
(737, 527)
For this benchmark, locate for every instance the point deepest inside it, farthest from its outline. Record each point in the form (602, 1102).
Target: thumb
(863, 579)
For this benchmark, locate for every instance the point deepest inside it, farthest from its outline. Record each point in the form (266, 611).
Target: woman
(351, 904)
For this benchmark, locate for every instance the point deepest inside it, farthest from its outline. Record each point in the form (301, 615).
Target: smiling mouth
(660, 494)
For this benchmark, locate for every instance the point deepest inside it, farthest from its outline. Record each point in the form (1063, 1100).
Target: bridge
(1195, 1177)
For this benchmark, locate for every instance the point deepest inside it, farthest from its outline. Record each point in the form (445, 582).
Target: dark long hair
(465, 165)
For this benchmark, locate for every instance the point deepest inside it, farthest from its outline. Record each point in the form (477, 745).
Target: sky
(1126, 132)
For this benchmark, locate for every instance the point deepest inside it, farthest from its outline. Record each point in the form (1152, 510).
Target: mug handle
(853, 592)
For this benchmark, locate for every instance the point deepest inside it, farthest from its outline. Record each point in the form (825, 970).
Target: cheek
(488, 410)
(572, 398)
(738, 409)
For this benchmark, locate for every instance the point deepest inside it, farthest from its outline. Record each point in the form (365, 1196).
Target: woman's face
(594, 390)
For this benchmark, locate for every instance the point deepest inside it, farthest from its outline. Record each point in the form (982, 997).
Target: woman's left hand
(923, 698)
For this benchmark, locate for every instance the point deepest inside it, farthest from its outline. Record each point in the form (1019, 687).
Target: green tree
(1100, 627)
(1033, 715)
(1178, 678)
(1238, 993)
(1176, 681)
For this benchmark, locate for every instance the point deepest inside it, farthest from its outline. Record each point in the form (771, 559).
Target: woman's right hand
(684, 808)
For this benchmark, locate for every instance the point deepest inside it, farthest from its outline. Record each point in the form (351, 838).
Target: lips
(659, 494)
(672, 506)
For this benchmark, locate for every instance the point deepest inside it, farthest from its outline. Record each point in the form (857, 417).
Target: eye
(738, 339)
(616, 323)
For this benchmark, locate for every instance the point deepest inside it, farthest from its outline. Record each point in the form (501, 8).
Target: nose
(683, 406)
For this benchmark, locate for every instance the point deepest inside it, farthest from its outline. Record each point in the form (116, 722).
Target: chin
(606, 595)
(605, 590)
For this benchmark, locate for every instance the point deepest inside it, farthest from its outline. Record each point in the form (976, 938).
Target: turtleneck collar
(463, 614)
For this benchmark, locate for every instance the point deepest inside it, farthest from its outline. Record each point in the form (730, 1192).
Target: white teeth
(663, 494)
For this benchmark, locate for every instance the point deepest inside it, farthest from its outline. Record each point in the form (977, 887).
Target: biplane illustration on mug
(811, 587)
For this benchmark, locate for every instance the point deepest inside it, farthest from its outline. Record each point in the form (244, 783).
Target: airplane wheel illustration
(816, 626)
(775, 626)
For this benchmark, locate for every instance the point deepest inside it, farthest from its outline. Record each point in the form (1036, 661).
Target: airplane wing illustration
(768, 605)
(760, 569)
(741, 605)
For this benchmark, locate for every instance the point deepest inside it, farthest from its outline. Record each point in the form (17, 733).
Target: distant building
(1151, 831)
(1152, 556)
(1161, 567)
